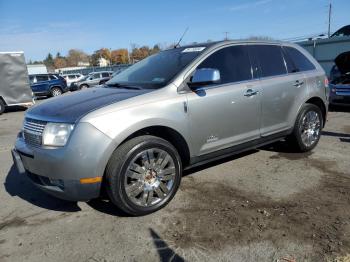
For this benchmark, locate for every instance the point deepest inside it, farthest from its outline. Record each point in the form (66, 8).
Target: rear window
(270, 59)
(42, 78)
(71, 77)
(105, 74)
(300, 61)
(95, 76)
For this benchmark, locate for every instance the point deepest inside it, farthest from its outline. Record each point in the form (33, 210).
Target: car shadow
(335, 134)
(105, 205)
(11, 109)
(20, 186)
(196, 169)
(344, 109)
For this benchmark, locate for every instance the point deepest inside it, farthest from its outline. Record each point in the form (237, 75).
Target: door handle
(251, 92)
(298, 83)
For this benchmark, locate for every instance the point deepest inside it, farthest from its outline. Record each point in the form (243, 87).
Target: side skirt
(207, 158)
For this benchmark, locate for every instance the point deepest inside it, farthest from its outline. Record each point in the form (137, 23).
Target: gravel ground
(265, 205)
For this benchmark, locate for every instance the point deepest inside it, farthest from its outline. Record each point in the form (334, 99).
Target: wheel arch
(3, 100)
(53, 86)
(166, 133)
(317, 101)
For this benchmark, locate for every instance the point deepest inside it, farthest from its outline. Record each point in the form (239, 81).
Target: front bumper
(58, 171)
(335, 99)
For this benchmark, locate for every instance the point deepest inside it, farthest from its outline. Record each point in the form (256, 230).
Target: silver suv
(92, 79)
(174, 110)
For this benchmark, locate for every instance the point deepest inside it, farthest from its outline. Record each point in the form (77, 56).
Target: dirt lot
(265, 205)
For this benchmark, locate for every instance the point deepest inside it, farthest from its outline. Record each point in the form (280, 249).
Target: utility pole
(329, 18)
(226, 35)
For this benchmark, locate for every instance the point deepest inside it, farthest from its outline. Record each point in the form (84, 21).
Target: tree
(60, 62)
(120, 56)
(49, 61)
(101, 53)
(155, 49)
(75, 56)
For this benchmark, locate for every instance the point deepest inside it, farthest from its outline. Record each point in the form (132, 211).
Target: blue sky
(39, 27)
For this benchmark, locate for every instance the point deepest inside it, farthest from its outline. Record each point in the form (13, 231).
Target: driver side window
(232, 62)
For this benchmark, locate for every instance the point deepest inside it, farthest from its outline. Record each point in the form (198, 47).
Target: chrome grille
(33, 131)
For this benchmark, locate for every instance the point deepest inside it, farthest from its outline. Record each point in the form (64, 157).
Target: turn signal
(90, 180)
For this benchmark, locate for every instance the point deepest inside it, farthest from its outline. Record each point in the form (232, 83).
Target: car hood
(343, 62)
(70, 108)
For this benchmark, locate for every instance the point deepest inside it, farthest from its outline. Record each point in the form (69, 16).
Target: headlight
(56, 134)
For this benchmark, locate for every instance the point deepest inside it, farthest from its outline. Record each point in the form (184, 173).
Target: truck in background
(14, 81)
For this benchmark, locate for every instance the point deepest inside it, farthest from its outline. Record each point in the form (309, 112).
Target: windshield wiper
(126, 86)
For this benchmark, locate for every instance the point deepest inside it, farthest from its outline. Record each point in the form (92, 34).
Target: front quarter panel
(163, 107)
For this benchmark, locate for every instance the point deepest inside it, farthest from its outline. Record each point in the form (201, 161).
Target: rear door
(96, 77)
(280, 90)
(225, 114)
(40, 84)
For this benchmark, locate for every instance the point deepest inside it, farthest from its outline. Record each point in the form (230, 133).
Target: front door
(225, 114)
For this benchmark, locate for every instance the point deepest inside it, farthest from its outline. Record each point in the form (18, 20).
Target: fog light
(56, 182)
(333, 90)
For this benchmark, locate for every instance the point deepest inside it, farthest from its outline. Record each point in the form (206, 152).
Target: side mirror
(204, 77)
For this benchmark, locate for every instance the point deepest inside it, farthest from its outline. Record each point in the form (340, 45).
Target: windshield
(158, 70)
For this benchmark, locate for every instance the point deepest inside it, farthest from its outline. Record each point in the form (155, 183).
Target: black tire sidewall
(56, 88)
(116, 179)
(297, 134)
(2, 107)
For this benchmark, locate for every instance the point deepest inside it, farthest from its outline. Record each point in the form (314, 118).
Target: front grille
(33, 131)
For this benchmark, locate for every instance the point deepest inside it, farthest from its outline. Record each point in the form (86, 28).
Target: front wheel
(56, 91)
(307, 129)
(143, 175)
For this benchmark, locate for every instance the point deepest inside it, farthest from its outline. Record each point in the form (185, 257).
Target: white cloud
(249, 5)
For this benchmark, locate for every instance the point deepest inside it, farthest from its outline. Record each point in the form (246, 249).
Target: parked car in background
(48, 85)
(340, 80)
(92, 79)
(72, 78)
(14, 84)
(177, 109)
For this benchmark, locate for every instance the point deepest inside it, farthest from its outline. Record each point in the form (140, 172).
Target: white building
(103, 62)
(36, 69)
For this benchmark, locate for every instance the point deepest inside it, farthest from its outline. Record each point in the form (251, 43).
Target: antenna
(178, 43)
(329, 18)
(226, 35)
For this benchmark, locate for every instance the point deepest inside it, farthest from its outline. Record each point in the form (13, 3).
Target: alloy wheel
(150, 177)
(310, 128)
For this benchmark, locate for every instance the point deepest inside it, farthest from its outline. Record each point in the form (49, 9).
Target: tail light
(326, 82)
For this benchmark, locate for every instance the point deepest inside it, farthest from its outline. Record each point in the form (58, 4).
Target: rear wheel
(2, 106)
(143, 175)
(56, 91)
(307, 129)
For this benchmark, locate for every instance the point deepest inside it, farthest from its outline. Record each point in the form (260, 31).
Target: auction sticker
(193, 49)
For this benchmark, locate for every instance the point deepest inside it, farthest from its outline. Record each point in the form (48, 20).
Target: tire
(56, 91)
(83, 87)
(139, 185)
(2, 106)
(307, 129)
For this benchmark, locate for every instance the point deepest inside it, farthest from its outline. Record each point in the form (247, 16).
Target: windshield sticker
(193, 49)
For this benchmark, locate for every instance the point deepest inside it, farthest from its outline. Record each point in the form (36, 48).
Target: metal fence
(87, 70)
